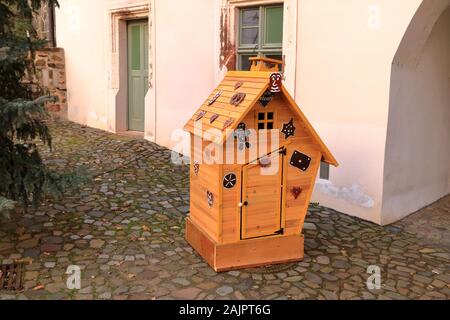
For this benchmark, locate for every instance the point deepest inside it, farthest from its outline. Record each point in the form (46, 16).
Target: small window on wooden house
(266, 120)
(324, 171)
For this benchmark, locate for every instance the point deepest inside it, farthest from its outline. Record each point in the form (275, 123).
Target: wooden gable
(224, 117)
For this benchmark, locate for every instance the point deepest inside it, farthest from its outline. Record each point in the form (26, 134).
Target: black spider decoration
(241, 134)
(288, 129)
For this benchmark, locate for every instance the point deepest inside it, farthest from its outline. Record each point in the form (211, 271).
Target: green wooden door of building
(137, 73)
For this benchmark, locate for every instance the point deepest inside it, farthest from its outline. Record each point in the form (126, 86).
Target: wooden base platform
(245, 253)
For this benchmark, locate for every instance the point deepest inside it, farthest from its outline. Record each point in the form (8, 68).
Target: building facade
(371, 75)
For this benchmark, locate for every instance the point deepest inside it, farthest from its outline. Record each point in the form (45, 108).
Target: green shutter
(273, 25)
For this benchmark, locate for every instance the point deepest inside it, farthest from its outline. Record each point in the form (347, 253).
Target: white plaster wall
(345, 51)
(85, 30)
(183, 56)
(184, 62)
(417, 165)
(80, 31)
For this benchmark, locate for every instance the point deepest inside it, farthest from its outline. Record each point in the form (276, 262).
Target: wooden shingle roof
(227, 116)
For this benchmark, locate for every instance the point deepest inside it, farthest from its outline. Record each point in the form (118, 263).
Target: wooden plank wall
(295, 209)
(208, 179)
(230, 210)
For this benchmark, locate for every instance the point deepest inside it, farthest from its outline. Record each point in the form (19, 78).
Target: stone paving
(431, 224)
(125, 231)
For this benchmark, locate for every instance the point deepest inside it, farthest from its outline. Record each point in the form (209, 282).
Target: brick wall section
(51, 78)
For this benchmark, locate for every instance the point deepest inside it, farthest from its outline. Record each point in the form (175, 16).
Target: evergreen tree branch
(23, 175)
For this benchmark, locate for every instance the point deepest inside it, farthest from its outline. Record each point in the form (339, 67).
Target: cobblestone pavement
(431, 224)
(125, 230)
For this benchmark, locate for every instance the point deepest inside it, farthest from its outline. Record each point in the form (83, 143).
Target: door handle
(241, 204)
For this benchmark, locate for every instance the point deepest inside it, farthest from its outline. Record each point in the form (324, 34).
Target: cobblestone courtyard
(125, 230)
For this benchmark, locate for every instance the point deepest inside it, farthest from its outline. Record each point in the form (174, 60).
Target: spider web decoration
(288, 129)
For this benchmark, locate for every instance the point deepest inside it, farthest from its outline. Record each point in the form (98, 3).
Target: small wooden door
(262, 197)
(137, 73)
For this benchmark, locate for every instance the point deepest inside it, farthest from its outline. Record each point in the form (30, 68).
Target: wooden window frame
(265, 121)
(261, 48)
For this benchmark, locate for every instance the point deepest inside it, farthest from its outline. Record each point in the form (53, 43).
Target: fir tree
(24, 179)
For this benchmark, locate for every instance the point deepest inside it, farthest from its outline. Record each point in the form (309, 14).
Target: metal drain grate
(11, 276)
(275, 268)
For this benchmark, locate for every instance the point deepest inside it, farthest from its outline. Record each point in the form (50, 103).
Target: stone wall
(51, 79)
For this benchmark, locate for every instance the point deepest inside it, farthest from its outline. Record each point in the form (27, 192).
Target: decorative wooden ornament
(295, 191)
(264, 162)
(229, 181)
(237, 98)
(213, 118)
(215, 97)
(228, 123)
(275, 82)
(266, 98)
(238, 85)
(196, 167)
(288, 129)
(242, 136)
(200, 115)
(210, 198)
(300, 160)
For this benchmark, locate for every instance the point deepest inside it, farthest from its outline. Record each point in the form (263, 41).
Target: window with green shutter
(260, 34)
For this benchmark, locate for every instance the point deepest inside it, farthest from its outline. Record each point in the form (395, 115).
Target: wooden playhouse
(243, 212)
